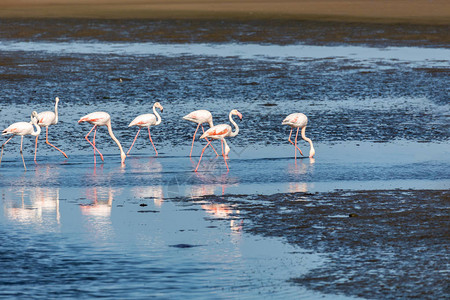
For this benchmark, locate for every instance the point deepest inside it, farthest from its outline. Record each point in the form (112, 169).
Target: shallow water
(378, 117)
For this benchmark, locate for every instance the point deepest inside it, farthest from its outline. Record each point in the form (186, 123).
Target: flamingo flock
(99, 118)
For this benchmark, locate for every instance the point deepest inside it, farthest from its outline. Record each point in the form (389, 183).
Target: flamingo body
(145, 120)
(47, 118)
(101, 118)
(217, 132)
(296, 120)
(98, 118)
(299, 120)
(19, 128)
(200, 116)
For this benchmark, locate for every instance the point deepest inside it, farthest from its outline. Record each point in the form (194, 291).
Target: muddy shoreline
(281, 32)
(379, 244)
(383, 11)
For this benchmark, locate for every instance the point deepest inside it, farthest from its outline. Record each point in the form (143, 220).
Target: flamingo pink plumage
(46, 119)
(100, 118)
(147, 120)
(200, 116)
(299, 120)
(22, 128)
(219, 132)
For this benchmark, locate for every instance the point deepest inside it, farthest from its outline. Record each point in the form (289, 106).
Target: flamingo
(22, 128)
(46, 119)
(147, 120)
(101, 118)
(299, 120)
(219, 132)
(200, 116)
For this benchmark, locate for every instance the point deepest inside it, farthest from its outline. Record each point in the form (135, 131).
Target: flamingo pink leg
(48, 143)
(193, 139)
(296, 144)
(93, 145)
(150, 137)
(21, 153)
(3, 145)
(217, 154)
(35, 148)
(203, 150)
(134, 141)
(223, 154)
(289, 139)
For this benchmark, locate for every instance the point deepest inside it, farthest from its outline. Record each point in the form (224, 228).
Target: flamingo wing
(19, 128)
(46, 118)
(96, 118)
(144, 120)
(217, 132)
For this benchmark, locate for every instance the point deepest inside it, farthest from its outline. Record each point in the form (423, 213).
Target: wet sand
(384, 11)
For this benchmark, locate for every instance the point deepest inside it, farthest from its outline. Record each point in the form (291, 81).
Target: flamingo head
(236, 113)
(122, 157)
(312, 152)
(57, 99)
(158, 105)
(34, 117)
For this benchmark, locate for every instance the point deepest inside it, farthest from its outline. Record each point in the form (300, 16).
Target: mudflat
(384, 11)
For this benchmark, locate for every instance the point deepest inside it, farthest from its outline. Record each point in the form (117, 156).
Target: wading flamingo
(147, 120)
(219, 132)
(46, 119)
(22, 128)
(100, 118)
(200, 116)
(298, 120)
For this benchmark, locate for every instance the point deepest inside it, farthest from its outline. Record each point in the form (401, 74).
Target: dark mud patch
(378, 244)
(184, 246)
(225, 31)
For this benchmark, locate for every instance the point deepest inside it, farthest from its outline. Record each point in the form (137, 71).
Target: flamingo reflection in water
(41, 211)
(299, 172)
(101, 205)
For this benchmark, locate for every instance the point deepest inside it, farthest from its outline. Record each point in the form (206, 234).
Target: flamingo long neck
(158, 117)
(122, 154)
(311, 151)
(234, 133)
(56, 113)
(38, 128)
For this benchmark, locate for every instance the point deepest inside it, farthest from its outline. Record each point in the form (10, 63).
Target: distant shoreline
(436, 12)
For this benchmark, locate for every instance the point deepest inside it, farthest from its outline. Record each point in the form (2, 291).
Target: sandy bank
(384, 11)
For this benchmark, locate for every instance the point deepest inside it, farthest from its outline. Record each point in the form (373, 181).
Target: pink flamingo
(46, 119)
(147, 120)
(200, 116)
(299, 120)
(22, 128)
(219, 132)
(100, 118)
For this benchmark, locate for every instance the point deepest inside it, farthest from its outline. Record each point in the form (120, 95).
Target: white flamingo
(220, 132)
(299, 120)
(147, 120)
(101, 118)
(22, 128)
(200, 116)
(46, 119)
